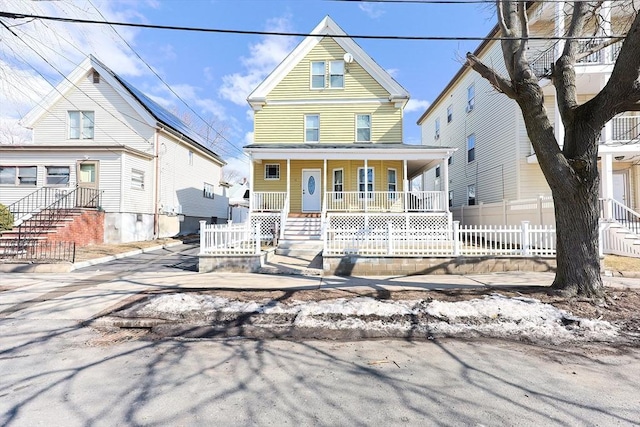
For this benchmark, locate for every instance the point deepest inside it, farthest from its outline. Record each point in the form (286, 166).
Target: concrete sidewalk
(80, 298)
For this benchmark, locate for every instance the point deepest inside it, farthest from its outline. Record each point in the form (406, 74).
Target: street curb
(96, 261)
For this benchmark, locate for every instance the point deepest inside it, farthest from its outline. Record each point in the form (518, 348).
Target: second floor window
(437, 135)
(471, 148)
(449, 113)
(317, 75)
(57, 175)
(208, 192)
(363, 128)
(81, 124)
(312, 128)
(471, 97)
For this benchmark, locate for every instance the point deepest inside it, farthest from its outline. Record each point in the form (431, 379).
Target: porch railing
(611, 209)
(385, 201)
(542, 64)
(268, 201)
(625, 130)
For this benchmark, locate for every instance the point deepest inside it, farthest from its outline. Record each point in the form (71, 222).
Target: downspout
(156, 185)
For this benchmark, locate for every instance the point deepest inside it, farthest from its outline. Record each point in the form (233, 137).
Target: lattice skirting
(268, 223)
(413, 221)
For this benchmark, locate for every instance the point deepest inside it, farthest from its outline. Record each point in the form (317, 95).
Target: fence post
(202, 238)
(525, 238)
(389, 238)
(258, 239)
(456, 238)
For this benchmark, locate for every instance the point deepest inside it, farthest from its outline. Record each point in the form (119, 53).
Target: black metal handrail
(38, 251)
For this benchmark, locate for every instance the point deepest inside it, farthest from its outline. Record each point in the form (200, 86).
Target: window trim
(16, 176)
(208, 191)
(190, 158)
(471, 150)
(437, 128)
(331, 74)
(438, 171)
(47, 175)
(373, 182)
(324, 75)
(266, 166)
(306, 128)
(449, 113)
(357, 128)
(338, 194)
(392, 193)
(81, 126)
(134, 182)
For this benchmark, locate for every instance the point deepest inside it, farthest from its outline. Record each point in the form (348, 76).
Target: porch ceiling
(419, 157)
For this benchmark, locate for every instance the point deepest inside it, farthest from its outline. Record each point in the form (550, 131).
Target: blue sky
(214, 73)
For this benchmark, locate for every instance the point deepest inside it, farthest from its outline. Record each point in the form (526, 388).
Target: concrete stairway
(302, 236)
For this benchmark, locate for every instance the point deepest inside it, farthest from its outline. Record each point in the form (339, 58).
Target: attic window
(96, 77)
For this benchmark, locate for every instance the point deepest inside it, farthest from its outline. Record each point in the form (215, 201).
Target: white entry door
(620, 187)
(311, 191)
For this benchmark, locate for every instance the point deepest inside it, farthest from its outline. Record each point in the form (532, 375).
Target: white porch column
(559, 32)
(445, 182)
(606, 164)
(252, 185)
(405, 184)
(289, 180)
(366, 186)
(325, 189)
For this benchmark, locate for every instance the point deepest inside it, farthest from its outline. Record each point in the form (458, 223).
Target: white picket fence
(229, 239)
(524, 240)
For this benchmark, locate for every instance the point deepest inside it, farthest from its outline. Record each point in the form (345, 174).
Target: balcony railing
(385, 201)
(268, 201)
(541, 66)
(624, 130)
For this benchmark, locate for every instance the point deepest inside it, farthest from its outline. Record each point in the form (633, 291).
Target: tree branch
(497, 81)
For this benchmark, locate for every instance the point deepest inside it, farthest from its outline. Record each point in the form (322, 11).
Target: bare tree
(571, 170)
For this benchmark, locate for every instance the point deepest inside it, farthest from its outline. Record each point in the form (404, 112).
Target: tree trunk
(577, 253)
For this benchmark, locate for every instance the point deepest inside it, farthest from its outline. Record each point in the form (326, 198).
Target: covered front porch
(344, 178)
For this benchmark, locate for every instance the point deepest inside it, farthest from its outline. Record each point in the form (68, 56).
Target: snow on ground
(491, 316)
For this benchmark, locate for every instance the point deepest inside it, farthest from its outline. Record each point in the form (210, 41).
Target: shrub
(6, 218)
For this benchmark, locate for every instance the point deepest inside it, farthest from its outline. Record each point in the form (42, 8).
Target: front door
(311, 190)
(620, 187)
(87, 177)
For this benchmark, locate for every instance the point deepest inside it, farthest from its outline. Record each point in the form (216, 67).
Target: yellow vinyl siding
(285, 123)
(357, 82)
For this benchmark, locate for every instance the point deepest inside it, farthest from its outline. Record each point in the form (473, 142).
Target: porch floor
(292, 265)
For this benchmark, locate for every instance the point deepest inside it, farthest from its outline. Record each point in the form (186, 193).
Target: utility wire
(218, 134)
(12, 15)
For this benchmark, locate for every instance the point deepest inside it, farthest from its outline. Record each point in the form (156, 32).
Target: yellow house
(328, 143)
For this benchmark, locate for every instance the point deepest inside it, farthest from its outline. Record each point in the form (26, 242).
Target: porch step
(305, 248)
(303, 227)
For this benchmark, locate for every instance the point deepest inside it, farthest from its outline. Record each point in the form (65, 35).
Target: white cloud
(416, 105)
(248, 138)
(263, 57)
(372, 11)
(393, 72)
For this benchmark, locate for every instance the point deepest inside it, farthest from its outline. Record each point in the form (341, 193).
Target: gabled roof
(328, 27)
(150, 111)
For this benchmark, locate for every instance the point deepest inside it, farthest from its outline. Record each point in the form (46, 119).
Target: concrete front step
(308, 248)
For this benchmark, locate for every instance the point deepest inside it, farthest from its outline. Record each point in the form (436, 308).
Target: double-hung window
(312, 128)
(18, 175)
(57, 175)
(471, 194)
(336, 74)
(208, 191)
(338, 183)
(317, 75)
(449, 113)
(363, 128)
(81, 124)
(471, 97)
(365, 184)
(137, 179)
(471, 148)
(437, 134)
(392, 183)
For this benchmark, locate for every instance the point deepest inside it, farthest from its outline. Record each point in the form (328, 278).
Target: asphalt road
(59, 375)
(182, 257)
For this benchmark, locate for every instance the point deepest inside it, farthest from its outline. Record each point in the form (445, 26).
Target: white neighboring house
(156, 175)
(239, 202)
(495, 160)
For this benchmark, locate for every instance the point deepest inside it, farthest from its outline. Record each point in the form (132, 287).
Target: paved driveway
(176, 258)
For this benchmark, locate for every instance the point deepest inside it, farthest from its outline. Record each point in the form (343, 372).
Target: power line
(218, 134)
(12, 15)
